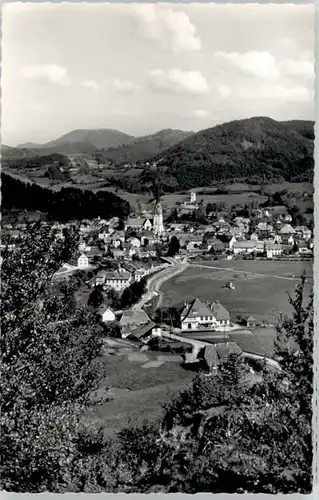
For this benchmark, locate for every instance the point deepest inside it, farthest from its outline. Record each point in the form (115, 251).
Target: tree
(232, 434)
(133, 293)
(174, 247)
(114, 299)
(49, 368)
(96, 297)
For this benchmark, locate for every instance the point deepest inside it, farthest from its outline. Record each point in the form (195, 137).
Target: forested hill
(63, 205)
(306, 128)
(97, 138)
(146, 147)
(256, 149)
(18, 159)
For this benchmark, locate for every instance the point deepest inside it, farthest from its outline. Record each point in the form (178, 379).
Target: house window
(189, 326)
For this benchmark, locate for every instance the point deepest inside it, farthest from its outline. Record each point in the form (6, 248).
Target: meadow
(141, 383)
(261, 290)
(260, 286)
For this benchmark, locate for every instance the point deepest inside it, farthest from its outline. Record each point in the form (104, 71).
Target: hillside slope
(145, 147)
(306, 128)
(98, 138)
(254, 149)
(65, 204)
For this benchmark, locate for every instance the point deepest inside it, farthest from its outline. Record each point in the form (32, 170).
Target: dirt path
(156, 281)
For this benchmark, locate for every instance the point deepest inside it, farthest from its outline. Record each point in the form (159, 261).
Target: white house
(248, 246)
(198, 315)
(273, 250)
(119, 280)
(106, 314)
(83, 262)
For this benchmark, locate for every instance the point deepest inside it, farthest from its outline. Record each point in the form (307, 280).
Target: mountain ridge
(98, 138)
(257, 147)
(146, 146)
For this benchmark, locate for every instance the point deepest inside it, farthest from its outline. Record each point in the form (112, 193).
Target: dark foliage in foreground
(49, 367)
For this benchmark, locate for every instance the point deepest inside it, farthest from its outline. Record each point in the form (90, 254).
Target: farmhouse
(248, 246)
(146, 331)
(131, 320)
(199, 315)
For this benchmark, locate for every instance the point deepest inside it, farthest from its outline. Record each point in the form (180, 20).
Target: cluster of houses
(272, 236)
(196, 315)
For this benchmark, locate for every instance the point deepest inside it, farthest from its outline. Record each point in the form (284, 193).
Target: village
(149, 249)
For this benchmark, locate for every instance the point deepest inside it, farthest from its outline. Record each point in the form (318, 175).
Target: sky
(140, 68)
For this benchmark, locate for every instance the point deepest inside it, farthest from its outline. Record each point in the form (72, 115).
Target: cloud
(296, 94)
(171, 29)
(91, 84)
(47, 73)
(178, 81)
(224, 91)
(304, 68)
(200, 113)
(255, 63)
(123, 85)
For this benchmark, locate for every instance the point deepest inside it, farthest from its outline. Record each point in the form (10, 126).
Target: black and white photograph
(157, 247)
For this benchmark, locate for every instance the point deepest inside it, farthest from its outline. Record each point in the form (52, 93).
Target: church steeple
(158, 225)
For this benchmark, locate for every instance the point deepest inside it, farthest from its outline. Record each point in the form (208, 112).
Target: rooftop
(134, 317)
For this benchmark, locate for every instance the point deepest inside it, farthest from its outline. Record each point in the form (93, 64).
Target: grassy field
(260, 286)
(170, 200)
(260, 290)
(141, 384)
